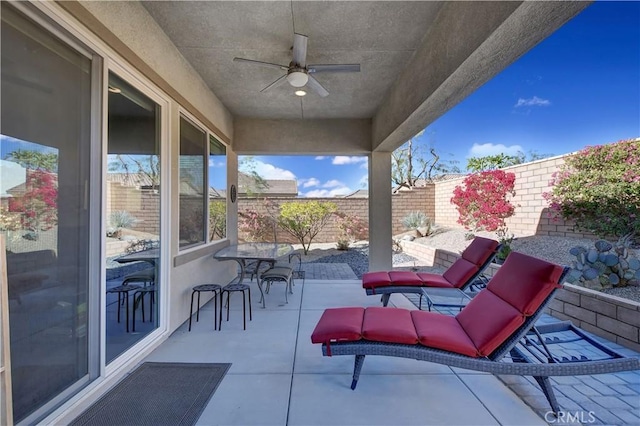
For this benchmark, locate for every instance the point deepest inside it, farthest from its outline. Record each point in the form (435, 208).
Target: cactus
(605, 265)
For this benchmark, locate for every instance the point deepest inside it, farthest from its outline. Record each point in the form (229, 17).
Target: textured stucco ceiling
(381, 36)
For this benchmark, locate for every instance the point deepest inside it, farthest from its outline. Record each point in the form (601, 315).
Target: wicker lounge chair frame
(476, 279)
(528, 357)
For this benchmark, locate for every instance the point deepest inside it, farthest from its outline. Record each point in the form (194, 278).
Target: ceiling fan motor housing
(297, 78)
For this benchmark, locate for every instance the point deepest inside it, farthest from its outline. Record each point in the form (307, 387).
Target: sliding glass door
(45, 138)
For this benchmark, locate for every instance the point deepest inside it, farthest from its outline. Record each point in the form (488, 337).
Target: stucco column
(380, 248)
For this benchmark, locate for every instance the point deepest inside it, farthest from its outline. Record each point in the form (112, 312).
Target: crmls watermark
(568, 417)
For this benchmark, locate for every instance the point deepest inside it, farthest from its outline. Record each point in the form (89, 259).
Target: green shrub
(305, 220)
(599, 189)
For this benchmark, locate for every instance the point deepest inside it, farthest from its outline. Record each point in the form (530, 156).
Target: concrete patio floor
(278, 377)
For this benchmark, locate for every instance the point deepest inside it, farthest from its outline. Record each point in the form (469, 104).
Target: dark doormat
(157, 393)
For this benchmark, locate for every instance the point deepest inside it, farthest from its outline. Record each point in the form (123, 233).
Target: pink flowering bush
(256, 226)
(352, 228)
(482, 200)
(39, 204)
(599, 189)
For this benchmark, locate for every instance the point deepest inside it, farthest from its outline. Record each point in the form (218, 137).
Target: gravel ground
(552, 249)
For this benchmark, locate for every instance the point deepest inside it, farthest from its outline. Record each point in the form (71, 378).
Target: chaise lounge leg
(357, 367)
(543, 382)
(385, 299)
(545, 385)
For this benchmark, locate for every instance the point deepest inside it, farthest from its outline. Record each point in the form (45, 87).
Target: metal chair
(276, 274)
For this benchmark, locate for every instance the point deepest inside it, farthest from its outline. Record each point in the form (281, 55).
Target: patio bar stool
(217, 290)
(123, 291)
(139, 294)
(231, 288)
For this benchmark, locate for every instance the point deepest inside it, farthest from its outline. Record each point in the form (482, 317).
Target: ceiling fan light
(300, 92)
(297, 78)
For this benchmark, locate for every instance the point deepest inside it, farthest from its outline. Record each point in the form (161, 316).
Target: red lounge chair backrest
(517, 290)
(472, 259)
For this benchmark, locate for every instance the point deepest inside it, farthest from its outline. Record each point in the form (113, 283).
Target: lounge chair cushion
(376, 279)
(460, 272)
(488, 321)
(442, 332)
(534, 278)
(339, 324)
(516, 291)
(434, 280)
(473, 258)
(479, 250)
(389, 325)
(384, 279)
(405, 278)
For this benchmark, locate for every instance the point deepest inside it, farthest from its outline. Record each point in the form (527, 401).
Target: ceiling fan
(298, 72)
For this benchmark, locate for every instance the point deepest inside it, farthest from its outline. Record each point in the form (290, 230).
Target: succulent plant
(415, 220)
(605, 264)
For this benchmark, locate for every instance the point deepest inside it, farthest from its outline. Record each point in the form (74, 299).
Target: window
(217, 190)
(133, 211)
(192, 184)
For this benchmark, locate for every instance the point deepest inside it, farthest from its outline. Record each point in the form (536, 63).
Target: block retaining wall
(610, 317)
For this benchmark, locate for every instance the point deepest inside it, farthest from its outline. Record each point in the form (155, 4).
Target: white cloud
(320, 157)
(535, 101)
(343, 190)
(485, 149)
(214, 163)
(306, 183)
(364, 181)
(332, 184)
(269, 171)
(343, 159)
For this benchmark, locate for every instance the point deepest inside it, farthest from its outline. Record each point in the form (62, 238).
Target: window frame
(183, 114)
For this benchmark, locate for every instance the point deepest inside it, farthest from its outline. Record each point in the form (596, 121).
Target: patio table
(149, 255)
(445, 297)
(249, 252)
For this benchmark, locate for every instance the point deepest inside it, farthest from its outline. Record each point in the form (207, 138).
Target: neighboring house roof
(247, 186)
(12, 177)
(360, 193)
(130, 179)
(217, 193)
(438, 178)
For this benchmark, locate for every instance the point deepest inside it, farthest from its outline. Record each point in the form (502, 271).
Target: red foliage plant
(482, 200)
(39, 203)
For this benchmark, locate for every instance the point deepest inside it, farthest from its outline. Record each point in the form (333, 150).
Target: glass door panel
(133, 217)
(44, 179)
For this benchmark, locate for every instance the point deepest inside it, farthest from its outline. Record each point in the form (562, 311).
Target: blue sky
(579, 87)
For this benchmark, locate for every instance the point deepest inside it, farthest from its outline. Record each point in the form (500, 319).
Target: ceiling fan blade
(300, 49)
(278, 82)
(317, 87)
(334, 68)
(264, 64)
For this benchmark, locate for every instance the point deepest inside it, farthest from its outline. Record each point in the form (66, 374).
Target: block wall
(143, 204)
(531, 214)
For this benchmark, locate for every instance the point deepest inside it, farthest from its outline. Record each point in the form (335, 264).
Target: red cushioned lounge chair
(473, 260)
(499, 321)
